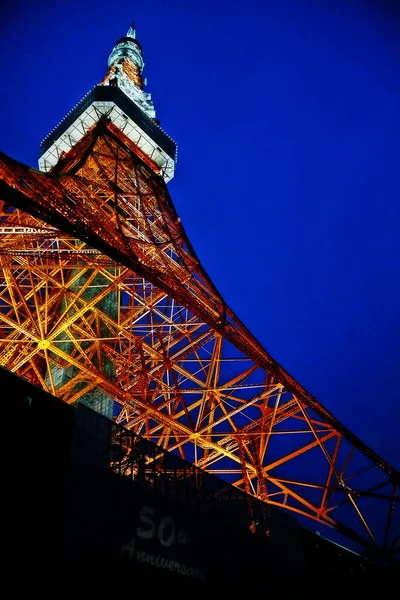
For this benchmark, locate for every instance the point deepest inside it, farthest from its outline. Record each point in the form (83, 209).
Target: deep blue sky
(286, 114)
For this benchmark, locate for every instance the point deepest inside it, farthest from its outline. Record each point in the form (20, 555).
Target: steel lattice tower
(104, 301)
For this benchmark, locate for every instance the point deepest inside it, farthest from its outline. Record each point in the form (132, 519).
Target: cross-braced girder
(102, 294)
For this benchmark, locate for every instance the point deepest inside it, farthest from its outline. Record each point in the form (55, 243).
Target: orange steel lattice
(104, 300)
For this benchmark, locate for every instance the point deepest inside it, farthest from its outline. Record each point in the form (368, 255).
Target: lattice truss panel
(102, 296)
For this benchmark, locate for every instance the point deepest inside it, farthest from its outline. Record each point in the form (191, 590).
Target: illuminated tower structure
(104, 301)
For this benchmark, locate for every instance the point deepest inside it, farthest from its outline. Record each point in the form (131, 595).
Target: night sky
(286, 115)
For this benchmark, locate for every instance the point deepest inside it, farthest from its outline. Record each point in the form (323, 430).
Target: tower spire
(132, 31)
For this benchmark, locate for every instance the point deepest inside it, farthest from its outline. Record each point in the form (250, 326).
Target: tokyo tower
(105, 302)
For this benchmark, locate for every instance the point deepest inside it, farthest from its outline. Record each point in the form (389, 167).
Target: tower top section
(121, 98)
(127, 47)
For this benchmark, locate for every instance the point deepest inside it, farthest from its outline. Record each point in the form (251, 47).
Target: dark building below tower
(93, 506)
